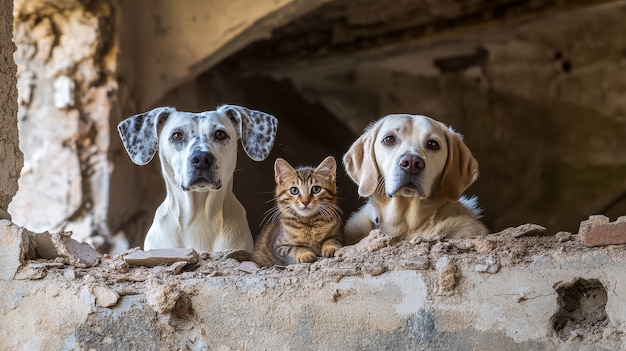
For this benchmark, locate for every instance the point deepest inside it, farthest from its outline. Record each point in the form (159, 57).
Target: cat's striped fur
(306, 221)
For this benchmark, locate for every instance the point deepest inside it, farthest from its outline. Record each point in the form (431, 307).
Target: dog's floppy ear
(140, 133)
(256, 129)
(461, 169)
(360, 163)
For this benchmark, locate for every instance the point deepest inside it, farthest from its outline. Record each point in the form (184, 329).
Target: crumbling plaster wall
(11, 156)
(515, 290)
(67, 59)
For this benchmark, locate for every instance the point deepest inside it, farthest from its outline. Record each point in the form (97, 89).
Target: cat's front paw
(329, 251)
(306, 257)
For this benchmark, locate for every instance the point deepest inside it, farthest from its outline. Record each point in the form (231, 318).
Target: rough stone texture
(555, 296)
(156, 257)
(587, 226)
(66, 55)
(605, 234)
(14, 246)
(61, 245)
(11, 156)
(525, 230)
(105, 297)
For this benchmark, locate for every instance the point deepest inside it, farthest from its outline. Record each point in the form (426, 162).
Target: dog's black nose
(201, 160)
(413, 164)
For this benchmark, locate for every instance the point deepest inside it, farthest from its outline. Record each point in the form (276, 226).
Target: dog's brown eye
(389, 140)
(220, 135)
(177, 135)
(433, 145)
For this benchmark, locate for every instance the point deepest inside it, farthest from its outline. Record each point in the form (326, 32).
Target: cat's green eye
(315, 189)
(294, 190)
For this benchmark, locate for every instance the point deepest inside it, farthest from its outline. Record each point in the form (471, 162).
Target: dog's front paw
(306, 257)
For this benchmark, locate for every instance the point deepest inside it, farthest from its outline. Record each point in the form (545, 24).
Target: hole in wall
(581, 309)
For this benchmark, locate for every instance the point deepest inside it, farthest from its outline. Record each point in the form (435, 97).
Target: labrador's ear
(360, 162)
(256, 129)
(461, 169)
(140, 133)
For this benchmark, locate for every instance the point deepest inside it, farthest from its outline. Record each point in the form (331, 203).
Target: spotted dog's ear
(360, 162)
(256, 129)
(140, 133)
(461, 169)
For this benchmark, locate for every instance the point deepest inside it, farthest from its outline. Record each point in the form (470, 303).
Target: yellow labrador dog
(413, 170)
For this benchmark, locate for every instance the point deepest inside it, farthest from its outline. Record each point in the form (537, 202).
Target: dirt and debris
(60, 244)
(157, 257)
(129, 272)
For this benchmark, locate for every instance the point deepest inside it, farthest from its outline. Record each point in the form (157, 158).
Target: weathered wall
(175, 41)
(66, 54)
(506, 292)
(11, 157)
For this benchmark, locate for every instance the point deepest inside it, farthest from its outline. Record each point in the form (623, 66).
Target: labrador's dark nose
(201, 160)
(411, 163)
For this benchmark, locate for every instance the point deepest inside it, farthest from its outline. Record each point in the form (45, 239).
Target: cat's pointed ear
(328, 168)
(282, 169)
(360, 162)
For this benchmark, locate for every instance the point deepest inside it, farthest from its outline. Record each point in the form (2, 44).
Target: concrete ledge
(546, 292)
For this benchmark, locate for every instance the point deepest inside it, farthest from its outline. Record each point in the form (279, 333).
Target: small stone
(157, 257)
(161, 297)
(483, 246)
(586, 226)
(517, 252)
(528, 229)
(605, 234)
(248, 267)
(70, 273)
(373, 269)
(373, 242)
(52, 246)
(120, 266)
(447, 276)
(562, 237)
(14, 247)
(418, 263)
(105, 297)
(239, 255)
(491, 265)
(176, 267)
(464, 245)
(32, 271)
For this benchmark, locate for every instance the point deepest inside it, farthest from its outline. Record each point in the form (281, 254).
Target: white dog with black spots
(198, 154)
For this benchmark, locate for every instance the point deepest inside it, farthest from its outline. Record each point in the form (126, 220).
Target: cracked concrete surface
(546, 294)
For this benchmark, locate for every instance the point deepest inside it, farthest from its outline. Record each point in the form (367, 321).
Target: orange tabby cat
(306, 221)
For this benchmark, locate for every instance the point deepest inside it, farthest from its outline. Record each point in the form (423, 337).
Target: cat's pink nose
(305, 202)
